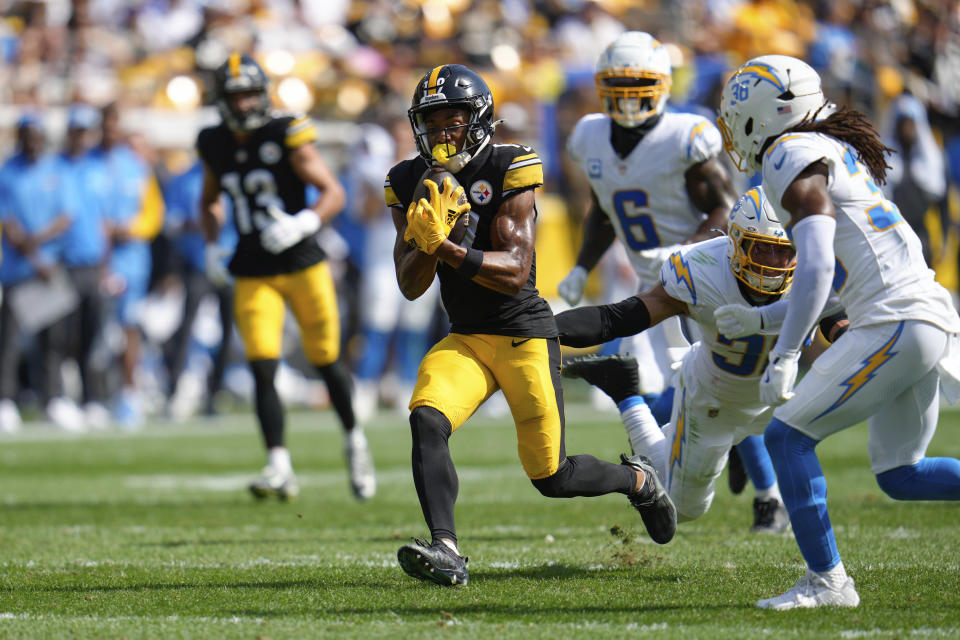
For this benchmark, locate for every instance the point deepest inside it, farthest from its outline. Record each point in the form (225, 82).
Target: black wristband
(588, 326)
(471, 263)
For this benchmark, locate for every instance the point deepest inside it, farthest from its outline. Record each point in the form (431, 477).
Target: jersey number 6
(638, 228)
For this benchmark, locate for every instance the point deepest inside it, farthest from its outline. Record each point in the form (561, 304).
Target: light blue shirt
(34, 195)
(87, 180)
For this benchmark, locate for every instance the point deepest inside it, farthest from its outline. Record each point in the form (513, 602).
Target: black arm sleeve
(588, 326)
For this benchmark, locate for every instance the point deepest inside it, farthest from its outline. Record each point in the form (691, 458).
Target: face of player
(31, 142)
(447, 126)
(244, 101)
(772, 255)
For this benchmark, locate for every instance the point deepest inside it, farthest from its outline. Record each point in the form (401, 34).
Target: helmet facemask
(748, 266)
(632, 96)
(445, 154)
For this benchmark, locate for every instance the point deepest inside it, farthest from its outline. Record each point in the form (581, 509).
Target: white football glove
(216, 270)
(287, 230)
(776, 383)
(737, 321)
(571, 287)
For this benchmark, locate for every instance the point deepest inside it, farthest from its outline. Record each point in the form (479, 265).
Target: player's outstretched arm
(415, 269)
(506, 266)
(710, 190)
(589, 326)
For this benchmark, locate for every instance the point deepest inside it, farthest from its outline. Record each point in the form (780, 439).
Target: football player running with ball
(503, 335)
(821, 169)
(264, 162)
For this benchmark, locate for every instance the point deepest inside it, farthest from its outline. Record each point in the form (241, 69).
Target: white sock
(279, 459)
(836, 576)
(772, 491)
(642, 429)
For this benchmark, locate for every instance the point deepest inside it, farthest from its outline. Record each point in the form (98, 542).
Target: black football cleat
(616, 375)
(433, 563)
(736, 473)
(769, 516)
(652, 501)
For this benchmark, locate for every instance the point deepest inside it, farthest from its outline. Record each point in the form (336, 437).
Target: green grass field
(152, 535)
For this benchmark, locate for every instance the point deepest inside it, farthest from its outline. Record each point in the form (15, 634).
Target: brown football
(462, 226)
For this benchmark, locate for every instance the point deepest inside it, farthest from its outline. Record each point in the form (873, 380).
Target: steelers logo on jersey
(481, 191)
(270, 152)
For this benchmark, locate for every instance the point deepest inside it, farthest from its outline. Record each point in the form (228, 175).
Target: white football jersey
(729, 370)
(880, 274)
(645, 194)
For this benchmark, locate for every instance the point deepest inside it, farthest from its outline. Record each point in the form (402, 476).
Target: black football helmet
(241, 74)
(453, 86)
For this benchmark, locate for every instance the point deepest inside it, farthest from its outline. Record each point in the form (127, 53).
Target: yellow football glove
(424, 227)
(448, 202)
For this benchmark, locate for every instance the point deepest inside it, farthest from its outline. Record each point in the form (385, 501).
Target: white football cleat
(812, 590)
(272, 482)
(66, 415)
(10, 421)
(363, 482)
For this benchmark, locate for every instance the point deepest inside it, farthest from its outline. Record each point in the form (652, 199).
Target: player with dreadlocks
(821, 177)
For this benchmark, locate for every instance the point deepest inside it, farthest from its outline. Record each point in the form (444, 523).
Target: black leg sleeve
(267, 402)
(584, 475)
(588, 326)
(340, 387)
(433, 472)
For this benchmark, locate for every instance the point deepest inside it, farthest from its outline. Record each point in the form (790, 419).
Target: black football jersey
(256, 173)
(498, 172)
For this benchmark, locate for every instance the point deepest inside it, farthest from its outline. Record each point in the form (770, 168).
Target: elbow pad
(589, 326)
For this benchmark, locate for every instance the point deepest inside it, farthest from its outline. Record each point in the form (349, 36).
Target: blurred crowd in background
(107, 317)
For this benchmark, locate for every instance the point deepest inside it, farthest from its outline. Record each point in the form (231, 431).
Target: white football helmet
(765, 97)
(633, 78)
(767, 270)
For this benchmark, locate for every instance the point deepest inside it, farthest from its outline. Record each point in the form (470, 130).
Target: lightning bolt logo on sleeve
(681, 270)
(867, 371)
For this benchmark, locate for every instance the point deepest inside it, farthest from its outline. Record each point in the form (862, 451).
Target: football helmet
(241, 74)
(633, 78)
(752, 222)
(453, 86)
(765, 97)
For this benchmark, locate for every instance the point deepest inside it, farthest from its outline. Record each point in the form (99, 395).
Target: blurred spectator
(388, 317)
(183, 222)
(135, 216)
(34, 213)
(917, 178)
(85, 250)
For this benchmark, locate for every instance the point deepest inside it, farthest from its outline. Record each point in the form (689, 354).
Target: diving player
(264, 162)
(716, 403)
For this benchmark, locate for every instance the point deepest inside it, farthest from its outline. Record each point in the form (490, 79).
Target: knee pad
(428, 422)
(895, 482)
